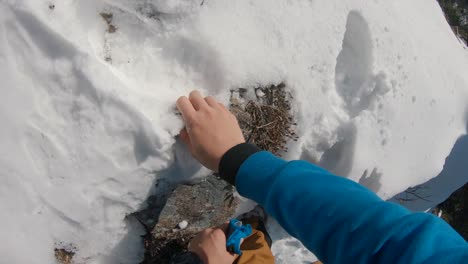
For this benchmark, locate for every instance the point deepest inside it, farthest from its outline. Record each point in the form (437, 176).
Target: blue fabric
(341, 221)
(237, 232)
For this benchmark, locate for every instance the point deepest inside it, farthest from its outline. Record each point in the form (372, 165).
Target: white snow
(88, 123)
(426, 196)
(183, 224)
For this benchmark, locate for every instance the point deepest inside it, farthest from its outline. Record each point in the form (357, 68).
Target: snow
(439, 188)
(183, 224)
(88, 118)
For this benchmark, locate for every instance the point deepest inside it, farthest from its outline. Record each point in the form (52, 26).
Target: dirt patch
(64, 255)
(265, 116)
(161, 250)
(108, 17)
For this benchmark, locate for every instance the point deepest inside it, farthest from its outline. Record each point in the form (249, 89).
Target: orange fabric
(255, 250)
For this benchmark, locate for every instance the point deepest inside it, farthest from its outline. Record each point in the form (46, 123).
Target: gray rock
(208, 203)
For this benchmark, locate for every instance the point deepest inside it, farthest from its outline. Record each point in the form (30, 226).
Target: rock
(206, 204)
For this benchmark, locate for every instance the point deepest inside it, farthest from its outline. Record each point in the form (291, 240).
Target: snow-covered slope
(87, 114)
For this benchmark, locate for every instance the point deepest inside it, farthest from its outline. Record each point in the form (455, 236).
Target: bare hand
(210, 129)
(210, 246)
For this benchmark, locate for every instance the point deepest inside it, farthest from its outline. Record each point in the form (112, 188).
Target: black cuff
(233, 159)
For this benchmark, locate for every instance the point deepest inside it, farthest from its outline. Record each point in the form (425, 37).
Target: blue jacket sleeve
(341, 221)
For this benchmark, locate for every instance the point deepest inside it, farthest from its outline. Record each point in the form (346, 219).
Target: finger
(222, 106)
(197, 100)
(219, 234)
(208, 230)
(211, 101)
(184, 136)
(186, 108)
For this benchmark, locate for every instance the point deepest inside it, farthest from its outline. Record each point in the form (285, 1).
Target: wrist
(232, 160)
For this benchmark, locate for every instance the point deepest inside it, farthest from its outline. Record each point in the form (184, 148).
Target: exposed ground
(64, 255)
(456, 12)
(455, 211)
(265, 117)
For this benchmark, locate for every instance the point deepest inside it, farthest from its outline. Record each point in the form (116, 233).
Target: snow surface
(425, 196)
(88, 120)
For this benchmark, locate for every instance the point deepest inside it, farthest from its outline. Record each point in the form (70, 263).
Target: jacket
(337, 219)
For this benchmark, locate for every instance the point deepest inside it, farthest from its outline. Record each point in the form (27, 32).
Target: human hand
(210, 129)
(210, 246)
